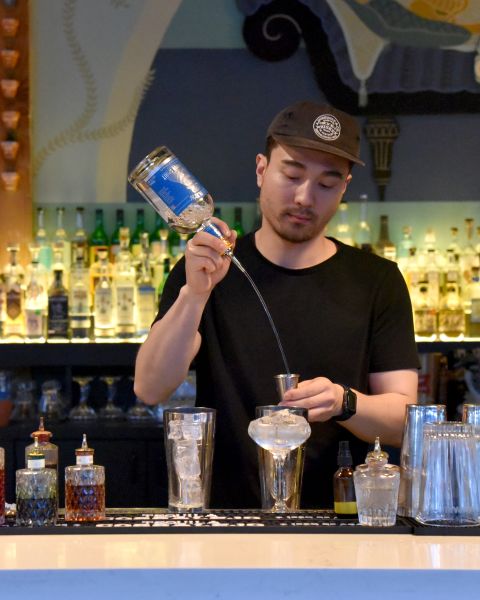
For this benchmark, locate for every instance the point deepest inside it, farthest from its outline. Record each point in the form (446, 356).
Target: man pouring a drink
(339, 317)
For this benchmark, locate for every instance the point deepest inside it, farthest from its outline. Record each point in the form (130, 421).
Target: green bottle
(115, 239)
(99, 238)
(136, 240)
(237, 222)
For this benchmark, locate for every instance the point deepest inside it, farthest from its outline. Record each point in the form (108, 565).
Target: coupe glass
(279, 434)
(82, 412)
(111, 411)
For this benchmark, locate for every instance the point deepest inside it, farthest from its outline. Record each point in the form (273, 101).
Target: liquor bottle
(175, 193)
(135, 241)
(238, 222)
(36, 299)
(472, 304)
(468, 256)
(2, 486)
(343, 231)
(115, 239)
(451, 317)
(60, 238)
(99, 238)
(41, 442)
(453, 245)
(80, 239)
(384, 246)
(424, 312)
(57, 325)
(104, 323)
(6, 403)
(158, 239)
(124, 276)
(45, 254)
(432, 276)
(84, 487)
(80, 302)
(363, 234)
(36, 492)
(146, 295)
(166, 272)
(344, 503)
(406, 248)
(14, 295)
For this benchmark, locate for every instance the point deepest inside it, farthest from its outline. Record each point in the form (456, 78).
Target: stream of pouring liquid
(239, 265)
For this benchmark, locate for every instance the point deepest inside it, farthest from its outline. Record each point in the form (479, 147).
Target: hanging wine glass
(140, 412)
(111, 411)
(82, 412)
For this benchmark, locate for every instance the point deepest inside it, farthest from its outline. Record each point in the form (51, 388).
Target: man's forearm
(165, 356)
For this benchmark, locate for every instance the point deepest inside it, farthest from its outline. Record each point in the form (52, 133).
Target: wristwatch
(349, 404)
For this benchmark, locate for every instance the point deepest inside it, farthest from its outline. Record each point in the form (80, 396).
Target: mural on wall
(377, 56)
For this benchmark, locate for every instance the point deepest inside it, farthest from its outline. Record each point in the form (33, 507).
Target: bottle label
(84, 459)
(14, 303)
(103, 306)
(475, 315)
(36, 463)
(79, 304)
(125, 304)
(34, 322)
(58, 316)
(175, 185)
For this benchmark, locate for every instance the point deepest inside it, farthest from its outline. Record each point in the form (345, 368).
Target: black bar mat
(421, 529)
(212, 521)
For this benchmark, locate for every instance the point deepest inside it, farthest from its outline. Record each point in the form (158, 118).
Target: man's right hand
(205, 260)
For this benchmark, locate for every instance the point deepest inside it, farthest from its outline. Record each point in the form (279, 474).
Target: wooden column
(15, 184)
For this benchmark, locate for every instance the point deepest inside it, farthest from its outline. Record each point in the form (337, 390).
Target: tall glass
(279, 431)
(189, 439)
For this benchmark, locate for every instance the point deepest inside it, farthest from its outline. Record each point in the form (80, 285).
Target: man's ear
(262, 163)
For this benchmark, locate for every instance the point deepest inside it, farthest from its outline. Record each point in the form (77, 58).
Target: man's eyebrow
(288, 162)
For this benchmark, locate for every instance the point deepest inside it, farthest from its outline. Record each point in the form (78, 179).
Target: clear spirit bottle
(99, 238)
(174, 193)
(146, 296)
(60, 238)
(36, 299)
(57, 308)
(158, 240)
(135, 241)
(45, 254)
(424, 312)
(84, 487)
(14, 295)
(80, 298)
(406, 249)
(125, 292)
(451, 316)
(79, 239)
(468, 257)
(36, 493)
(103, 316)
(472, 304)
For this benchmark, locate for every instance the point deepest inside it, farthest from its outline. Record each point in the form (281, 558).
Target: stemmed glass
(111, 411)
(140, 412)
(279, 434)
(82, 412)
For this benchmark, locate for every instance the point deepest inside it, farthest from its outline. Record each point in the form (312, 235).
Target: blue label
(173, 183)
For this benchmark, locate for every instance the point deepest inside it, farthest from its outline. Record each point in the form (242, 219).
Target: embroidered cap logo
(327, 127)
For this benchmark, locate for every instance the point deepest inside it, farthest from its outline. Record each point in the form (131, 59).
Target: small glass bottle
(14, 325)
(385, 247)
(84, 487)
(376, 489)
(424, 312)
(174, 193)
(79, 238)
(42, 442)
(146, 296)
(79, 305)
(344, 503)
(58, 308)
(451, 316)
(36, 492)
(2, 486)
(115, 239)
(99, 237)
(125, 289)
(103, 313)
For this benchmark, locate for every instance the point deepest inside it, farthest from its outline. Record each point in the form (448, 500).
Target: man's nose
(304, 195)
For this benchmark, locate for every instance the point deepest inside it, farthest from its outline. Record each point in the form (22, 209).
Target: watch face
(350, 401)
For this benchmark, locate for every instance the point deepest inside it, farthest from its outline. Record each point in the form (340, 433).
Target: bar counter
(239, 566)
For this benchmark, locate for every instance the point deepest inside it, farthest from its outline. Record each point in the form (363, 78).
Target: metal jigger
(286, 381)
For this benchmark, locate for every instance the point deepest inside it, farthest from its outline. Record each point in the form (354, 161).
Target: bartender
(343, 316)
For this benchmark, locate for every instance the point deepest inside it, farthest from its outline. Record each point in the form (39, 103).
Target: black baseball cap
(319, 127)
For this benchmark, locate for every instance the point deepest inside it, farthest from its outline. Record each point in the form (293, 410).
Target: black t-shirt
(342, 319)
